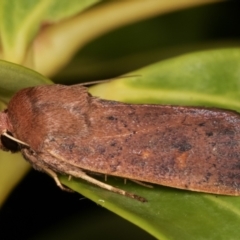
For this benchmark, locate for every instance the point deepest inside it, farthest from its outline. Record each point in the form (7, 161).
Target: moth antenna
(106, 80)
(14, 139)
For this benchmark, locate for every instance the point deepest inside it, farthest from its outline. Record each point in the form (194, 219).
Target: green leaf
(58, 43)
(116, 52)
(45, 34)
(13, 78)
(209, 78)
(20, 21)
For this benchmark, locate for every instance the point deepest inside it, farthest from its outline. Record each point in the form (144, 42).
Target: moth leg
(56, 179)
(83, 175)
(138, 182)
(142, 183)
(29, 155)
(80, 174)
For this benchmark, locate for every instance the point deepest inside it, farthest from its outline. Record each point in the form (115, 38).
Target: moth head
(7, 143)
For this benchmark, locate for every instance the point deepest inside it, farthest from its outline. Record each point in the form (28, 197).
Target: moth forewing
(189, 148)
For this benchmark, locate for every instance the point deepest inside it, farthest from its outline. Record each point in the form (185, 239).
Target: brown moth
(63, 129)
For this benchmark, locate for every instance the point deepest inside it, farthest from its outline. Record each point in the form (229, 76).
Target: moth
(63, 129)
